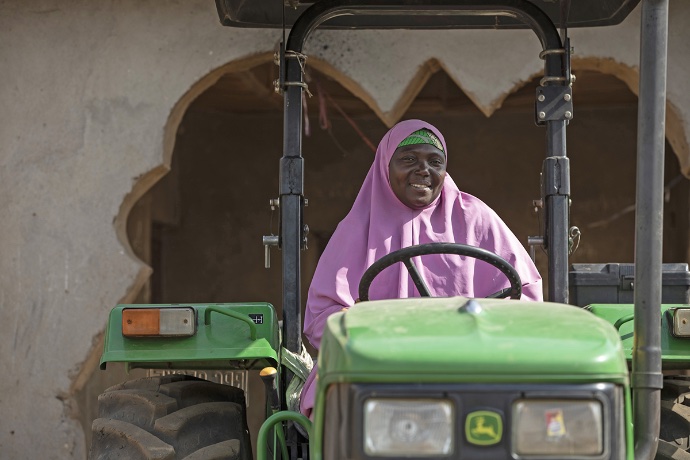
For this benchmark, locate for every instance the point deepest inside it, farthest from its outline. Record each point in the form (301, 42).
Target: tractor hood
(481, 340)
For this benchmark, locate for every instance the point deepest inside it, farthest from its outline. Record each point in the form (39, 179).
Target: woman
(408, 198)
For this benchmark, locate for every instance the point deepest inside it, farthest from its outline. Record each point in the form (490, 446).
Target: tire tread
(171, 417)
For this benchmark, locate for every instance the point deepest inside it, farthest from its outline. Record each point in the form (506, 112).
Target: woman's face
(416, 174)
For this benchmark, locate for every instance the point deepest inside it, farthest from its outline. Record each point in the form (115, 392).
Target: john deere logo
(484, 428)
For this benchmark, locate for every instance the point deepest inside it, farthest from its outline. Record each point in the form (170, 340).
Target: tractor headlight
(408, 427)
(558, 427)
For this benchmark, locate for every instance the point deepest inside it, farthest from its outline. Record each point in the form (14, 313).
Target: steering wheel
(405, 256)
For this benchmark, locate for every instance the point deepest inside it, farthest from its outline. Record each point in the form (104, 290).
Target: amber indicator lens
(158, 322)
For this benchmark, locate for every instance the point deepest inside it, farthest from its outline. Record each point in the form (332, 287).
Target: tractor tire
(677, 389)
(675, 424)
(174, 417)
(667, 451)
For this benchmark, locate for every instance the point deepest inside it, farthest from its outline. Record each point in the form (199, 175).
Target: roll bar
(646, 376)
(556, 68)
(647, 380)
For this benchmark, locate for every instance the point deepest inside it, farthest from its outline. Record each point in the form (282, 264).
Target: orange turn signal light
(158, 322)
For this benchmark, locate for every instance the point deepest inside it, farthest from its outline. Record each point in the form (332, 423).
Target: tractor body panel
(475, 356)
(219, 341)
(435, 340)
(675, 351)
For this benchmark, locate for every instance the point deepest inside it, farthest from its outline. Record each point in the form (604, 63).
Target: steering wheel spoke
(416, 278)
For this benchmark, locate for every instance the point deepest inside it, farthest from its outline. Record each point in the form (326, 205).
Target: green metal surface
(224, 340)
(431, 340)
(675, 352)
(629, 428)
(436, 340)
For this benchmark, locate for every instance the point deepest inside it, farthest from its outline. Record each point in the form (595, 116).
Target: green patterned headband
(423, 136)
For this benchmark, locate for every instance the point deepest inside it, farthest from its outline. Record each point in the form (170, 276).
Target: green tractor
(453, 378)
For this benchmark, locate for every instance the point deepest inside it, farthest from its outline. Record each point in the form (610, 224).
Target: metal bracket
(274, 240)
(556, 176)
(269, 240)
(280, 85)
(553, 103)
(291, 175)
(650, 380)
(574, 235)
(279, 60)
(533, 242)
(305, 232)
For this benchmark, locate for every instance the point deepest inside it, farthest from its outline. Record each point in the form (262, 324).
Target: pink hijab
(379, 224)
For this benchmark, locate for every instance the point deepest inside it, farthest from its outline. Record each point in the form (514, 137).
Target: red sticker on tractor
(555, 427)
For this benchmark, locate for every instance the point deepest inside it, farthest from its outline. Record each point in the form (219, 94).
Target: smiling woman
(407, 199)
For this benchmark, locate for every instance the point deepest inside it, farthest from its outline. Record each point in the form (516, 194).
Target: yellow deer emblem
(484, 428)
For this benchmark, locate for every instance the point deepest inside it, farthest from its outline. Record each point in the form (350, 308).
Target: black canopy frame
(542, 16)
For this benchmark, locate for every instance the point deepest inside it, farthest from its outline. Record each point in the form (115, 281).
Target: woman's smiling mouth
(421, 186)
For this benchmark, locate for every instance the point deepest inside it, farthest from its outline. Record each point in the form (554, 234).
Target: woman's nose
(423, 168)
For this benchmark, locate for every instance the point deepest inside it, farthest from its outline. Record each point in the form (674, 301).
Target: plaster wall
(90, 98)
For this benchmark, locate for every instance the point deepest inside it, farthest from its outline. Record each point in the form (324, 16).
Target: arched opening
(200, 226)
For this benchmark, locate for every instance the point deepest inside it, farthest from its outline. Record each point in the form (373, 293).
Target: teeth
(420, 186)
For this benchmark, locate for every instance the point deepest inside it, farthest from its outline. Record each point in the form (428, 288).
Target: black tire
(675, 424)
(175, 417)
(676, 389)
(667, 451)
(674, 432)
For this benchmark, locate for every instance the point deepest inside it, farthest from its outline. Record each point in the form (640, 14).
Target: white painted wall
(86, 92)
